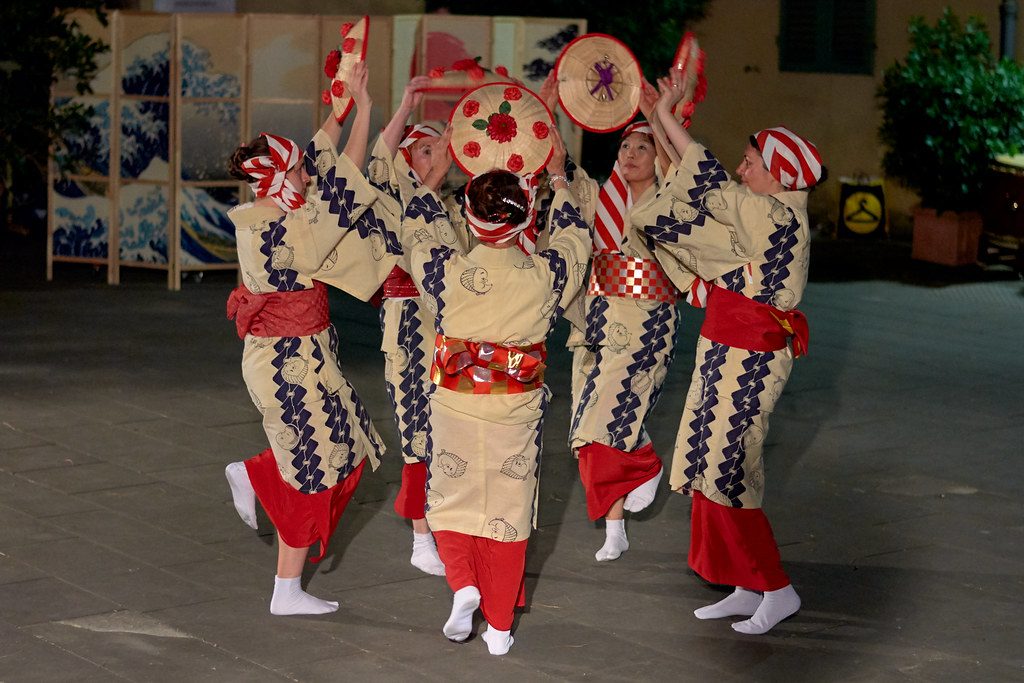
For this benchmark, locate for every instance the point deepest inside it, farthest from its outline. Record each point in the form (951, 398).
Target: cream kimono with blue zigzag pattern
(408, 328)
(317, 426)
(705, 223)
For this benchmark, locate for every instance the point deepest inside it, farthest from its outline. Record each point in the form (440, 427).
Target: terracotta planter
(949, 238)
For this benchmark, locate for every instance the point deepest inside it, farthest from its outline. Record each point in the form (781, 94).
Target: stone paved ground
(894, 488)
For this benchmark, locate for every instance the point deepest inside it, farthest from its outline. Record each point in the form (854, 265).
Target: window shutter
(827, 36)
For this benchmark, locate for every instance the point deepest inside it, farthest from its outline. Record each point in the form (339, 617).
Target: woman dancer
(494, 307)
(622, 356)
(400, 160)
(294, 237)
(751, 239)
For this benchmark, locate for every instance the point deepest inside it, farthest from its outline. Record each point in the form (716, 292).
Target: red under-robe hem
(496, 569)
(734, 546)
(411, 502)
(609, 474)
(301, 519)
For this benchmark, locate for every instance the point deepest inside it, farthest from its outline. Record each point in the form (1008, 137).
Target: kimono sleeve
(585, 189)
(356, 232)
(428, 257)
(686, 218)
(338, 192)
(569, 248)
(383, 174)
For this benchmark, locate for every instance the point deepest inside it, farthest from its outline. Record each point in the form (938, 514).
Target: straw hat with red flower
(501, 126)
(339, 63)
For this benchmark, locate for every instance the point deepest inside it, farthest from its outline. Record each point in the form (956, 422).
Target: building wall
(327, 7)
(838, 112)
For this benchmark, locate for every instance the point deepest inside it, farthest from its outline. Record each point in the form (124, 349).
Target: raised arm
(411, 98)
(355, 147)
(672, 90)
(648, 101)
(571, 244)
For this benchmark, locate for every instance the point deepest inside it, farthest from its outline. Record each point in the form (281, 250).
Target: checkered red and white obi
(615, 274)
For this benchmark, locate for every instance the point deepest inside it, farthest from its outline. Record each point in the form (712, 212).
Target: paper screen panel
(81, 219)
(143, 220)
(207, 234)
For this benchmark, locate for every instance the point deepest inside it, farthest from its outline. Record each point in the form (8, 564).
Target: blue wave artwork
(91, 148)
(198, 78)
(144, 218)
(148, 74)
(81, 221)
(539, 68)
(144, 141)
(82, 215)
(207, 234)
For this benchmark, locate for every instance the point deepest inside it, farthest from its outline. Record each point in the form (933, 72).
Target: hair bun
(239, 156)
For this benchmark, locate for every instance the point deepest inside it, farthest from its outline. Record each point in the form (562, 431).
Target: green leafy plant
(947, 109)
(41, 44)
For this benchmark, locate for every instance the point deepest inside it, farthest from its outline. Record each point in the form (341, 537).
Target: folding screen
(178, 92)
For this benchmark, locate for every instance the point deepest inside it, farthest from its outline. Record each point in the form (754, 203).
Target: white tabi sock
(460, 622)
(289, 598)
(498, 642)
(615, 541)
(643, 495)
(424, 554)
(242, 492)
(776, 606)
(740, 602)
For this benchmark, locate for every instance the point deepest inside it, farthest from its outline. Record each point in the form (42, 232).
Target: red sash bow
(485, 368)
(738, 321)
(279, 314)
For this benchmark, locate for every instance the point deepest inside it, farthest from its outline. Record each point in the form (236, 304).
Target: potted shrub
(946, 111)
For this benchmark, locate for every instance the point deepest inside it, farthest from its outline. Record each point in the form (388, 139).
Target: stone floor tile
(42, 600)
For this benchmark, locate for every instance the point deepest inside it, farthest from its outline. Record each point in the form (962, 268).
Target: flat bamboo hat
(599, 82)
(501, 126)
(340, 62)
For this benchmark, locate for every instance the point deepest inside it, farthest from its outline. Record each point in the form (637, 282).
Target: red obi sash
(399, 285)
(738, 321)
(615, 274)
(279, 314)
(483, 368)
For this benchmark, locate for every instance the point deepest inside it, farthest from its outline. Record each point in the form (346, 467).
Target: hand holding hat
(689, 65)
(672, 89)
(340, 62)
(356, 83)
(549, 91)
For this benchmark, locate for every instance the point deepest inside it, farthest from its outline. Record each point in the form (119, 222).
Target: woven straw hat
(689, 61)
(352, 50)
(503, 126)
(599, 82)
(463, 76)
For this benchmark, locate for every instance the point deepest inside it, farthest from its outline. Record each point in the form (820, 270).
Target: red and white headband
(499, 233)
(412, 134)
(270, 170)
(637, 127)
(791, 159)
